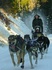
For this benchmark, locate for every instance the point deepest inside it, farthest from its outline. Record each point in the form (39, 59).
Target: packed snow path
(43, 64)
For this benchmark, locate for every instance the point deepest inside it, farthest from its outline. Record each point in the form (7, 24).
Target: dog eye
(13, 42)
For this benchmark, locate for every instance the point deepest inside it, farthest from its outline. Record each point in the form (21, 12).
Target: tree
(16, 6)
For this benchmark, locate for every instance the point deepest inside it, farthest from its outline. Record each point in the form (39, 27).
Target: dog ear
(9, 38)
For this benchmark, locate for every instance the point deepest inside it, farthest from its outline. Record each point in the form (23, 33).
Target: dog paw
(22, 67)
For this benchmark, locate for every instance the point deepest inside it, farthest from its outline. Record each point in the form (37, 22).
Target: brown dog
(17, 45)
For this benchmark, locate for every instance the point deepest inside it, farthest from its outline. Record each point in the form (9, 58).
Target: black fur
(31, 47)
(45, 42)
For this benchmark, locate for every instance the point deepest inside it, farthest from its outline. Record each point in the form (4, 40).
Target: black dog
(44, 44)
(31, 47)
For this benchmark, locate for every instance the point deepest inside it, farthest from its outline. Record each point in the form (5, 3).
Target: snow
(20, 25)
(17, 26)
(43, 64)
(50, 37)
(2, 30)
(5, 60)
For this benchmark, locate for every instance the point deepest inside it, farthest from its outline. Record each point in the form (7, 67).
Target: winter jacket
(37, 22)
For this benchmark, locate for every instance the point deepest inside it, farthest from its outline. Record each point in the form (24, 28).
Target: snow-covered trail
(43, 64)
(17, 26)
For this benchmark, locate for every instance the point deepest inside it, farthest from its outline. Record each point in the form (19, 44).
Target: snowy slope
(44, 64)
(3, 33)
(18, 22)
(17, 27)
